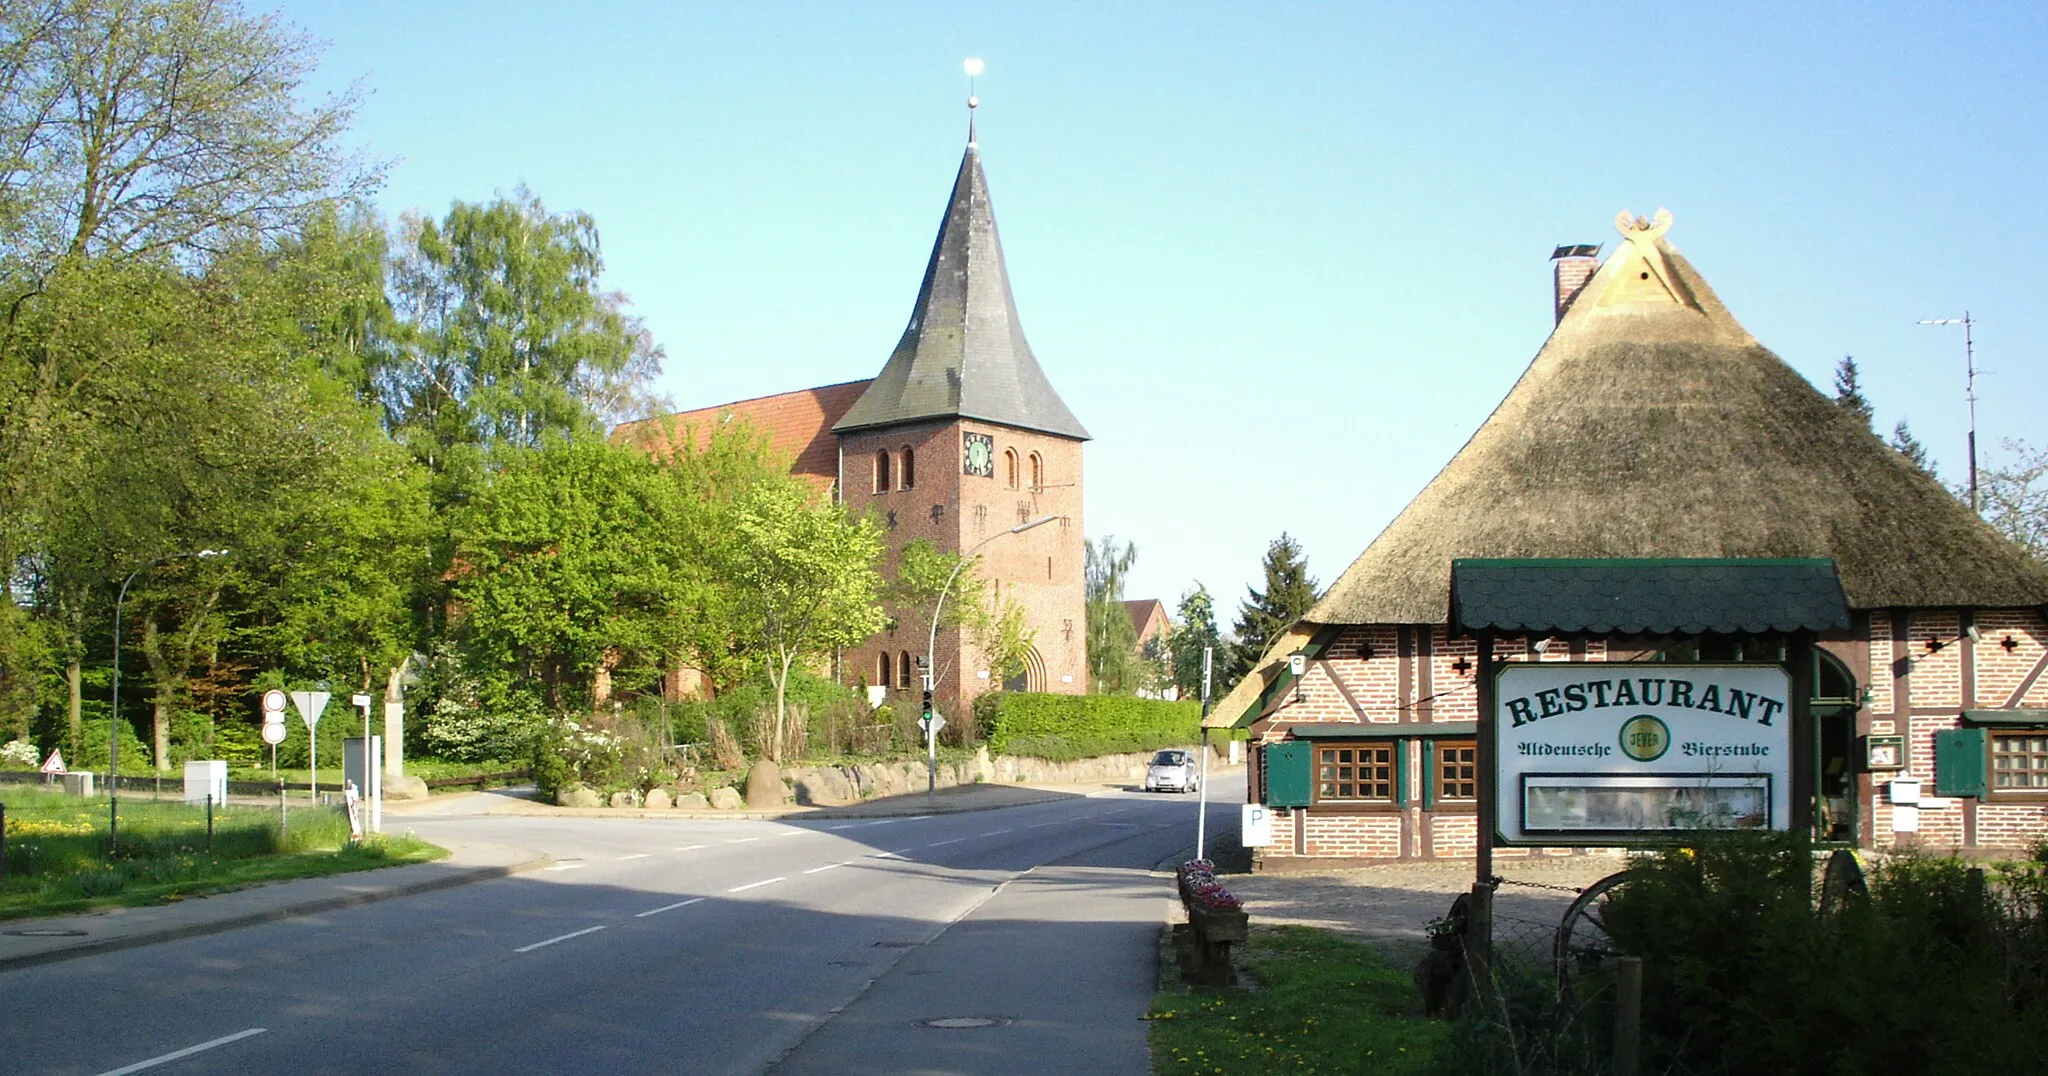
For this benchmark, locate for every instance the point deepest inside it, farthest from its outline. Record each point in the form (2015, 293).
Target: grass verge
(1323, 1004)
(56, 852)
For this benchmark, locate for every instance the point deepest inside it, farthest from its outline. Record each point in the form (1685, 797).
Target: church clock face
(979, 455)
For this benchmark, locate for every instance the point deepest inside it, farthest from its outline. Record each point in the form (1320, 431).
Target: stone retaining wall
(831, 786)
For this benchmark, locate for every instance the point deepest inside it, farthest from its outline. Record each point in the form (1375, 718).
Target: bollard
(209, 823)
(1628, 1016)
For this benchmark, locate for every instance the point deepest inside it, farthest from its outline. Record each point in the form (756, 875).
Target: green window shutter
(1428, 774)
(1959, 759)
(1400, 773)
(1290, 774)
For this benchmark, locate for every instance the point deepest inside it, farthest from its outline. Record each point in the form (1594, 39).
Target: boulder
(625, 799)
(404, 788)
(824, 786)
(657, 799)
(726, 798)
(578, 796)
(692, 801)
(764, 785)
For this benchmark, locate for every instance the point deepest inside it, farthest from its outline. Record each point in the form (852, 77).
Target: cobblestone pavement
(1390, 905)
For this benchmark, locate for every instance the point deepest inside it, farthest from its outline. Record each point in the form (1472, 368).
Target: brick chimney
(1571, 266)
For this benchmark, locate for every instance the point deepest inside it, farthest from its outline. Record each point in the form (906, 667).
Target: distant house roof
(798, 426)
(963, 354)
(1148, 616)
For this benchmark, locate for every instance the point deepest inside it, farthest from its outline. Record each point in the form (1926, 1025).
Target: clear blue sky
(1280, 259)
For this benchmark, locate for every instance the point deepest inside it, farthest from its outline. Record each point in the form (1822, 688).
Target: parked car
(1175, 770)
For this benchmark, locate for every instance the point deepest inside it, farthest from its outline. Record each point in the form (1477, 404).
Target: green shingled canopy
(1646, 597)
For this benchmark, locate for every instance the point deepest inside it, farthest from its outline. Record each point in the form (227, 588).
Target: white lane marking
(188, 1051)
(792, 833)
(1054, 822)
(636, 855)
(742, 840)
(667, 908)
(689, 847)
(560, 938)
(936, 844)
(995, 833)
(828, 866)
(849, 825)
(889, 855)
(565, 867)
(917, 818)
(755, 885)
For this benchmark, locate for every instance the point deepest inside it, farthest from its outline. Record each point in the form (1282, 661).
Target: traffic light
(927, 702)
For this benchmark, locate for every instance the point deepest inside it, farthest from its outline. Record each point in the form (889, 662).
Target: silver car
(1173, 770)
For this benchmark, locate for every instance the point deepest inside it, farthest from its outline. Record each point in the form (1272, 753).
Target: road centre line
(742, 840)
(636, 855)
(689, 847)
(936, 844)
(565, 867)
(1054, 822)
(792, 833)
(995, 833)
(828, 866)
(564, 937)
(164, 1059)
(667, 908)
(755, 885)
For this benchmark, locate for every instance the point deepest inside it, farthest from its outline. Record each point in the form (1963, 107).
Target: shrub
(606, 752)
(1066, 727)
(1743, 974)
(19, 755)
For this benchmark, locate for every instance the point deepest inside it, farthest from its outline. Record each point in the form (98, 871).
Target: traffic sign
(273, 732)
(273, 703)
(931, 724)
(310, 704)
(55, 763)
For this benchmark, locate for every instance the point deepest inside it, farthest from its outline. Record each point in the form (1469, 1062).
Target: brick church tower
(959, 439)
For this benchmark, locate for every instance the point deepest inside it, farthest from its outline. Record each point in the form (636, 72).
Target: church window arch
(882, 669)
(906, 475)
(1010, 468)
(1037, 471)
(882, 471)
(903, 669)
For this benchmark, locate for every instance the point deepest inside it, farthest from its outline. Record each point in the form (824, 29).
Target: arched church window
(1010, 468)
(882, 668)
(1037, 471)
(903, 669)
(882, 471)
(907, 475)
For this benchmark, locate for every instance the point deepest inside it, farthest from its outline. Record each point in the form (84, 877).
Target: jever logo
(1644, 738)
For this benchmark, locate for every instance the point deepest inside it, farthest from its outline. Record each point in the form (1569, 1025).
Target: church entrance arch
(1031, 677)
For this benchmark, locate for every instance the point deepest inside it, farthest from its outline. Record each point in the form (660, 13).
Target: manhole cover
(963, 1023)
(45, 933)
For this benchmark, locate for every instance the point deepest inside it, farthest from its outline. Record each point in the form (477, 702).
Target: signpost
(310, 704)
(273, 734)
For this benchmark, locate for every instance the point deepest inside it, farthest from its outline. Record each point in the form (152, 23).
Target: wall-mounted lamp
(1976, 635)
(1297, 663)
(1546, 644)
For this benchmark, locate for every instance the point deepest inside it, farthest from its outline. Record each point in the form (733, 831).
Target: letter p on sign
(1255, 828)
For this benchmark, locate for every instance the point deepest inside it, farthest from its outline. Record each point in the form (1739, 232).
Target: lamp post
(1969, 391)
(114, 713)
(931, 646)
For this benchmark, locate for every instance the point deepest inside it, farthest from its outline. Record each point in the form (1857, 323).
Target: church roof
(964, 354)
(797, 426)
(1651, 424)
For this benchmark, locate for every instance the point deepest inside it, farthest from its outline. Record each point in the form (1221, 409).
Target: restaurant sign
(1601, 753)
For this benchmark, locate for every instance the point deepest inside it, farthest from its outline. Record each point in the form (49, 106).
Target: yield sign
(310, 704)
(55, 763)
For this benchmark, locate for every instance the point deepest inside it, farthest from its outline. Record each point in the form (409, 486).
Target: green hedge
(1067, 727)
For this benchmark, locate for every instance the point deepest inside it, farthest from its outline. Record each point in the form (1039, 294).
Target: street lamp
(114, 713)
(931, 646)
(1969, 390)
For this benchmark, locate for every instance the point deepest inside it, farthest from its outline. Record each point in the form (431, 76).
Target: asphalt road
(670, 945)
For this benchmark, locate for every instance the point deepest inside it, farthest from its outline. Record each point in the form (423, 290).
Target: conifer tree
(1910, 447)
(1289, 593)
(1849, 390)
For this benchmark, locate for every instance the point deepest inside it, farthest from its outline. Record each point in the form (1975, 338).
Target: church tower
(958, 440)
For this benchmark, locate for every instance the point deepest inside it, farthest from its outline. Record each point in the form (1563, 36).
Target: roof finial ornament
(973, 67)
(1637, 230)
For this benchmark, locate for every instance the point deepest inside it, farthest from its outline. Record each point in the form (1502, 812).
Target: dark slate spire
(964, 354)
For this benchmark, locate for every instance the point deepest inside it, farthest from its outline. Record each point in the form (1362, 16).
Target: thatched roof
(1651, 424)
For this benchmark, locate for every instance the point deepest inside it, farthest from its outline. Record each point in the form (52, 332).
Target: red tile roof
(798, 425)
